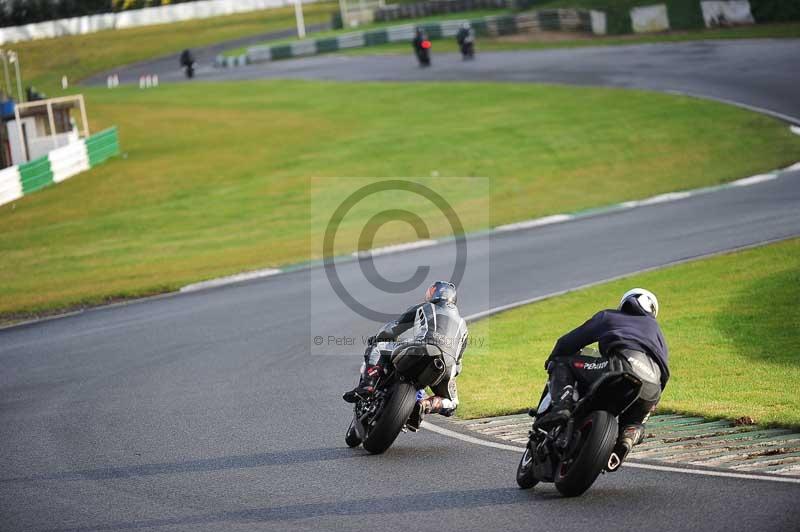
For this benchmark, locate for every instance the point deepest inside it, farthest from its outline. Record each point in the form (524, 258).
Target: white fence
(137, 17)
(650, 18)
(10, 185)
(726, 13)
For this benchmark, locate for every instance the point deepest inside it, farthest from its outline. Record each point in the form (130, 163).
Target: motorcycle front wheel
(351, 438)
(394, 415)
(596, 435)
(525, 478)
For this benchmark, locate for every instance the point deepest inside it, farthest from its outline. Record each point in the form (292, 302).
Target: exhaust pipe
(438, 363)
(613, 462)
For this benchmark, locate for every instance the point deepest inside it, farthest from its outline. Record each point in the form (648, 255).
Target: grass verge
(45, 61)
(215, 183)
(730, 321)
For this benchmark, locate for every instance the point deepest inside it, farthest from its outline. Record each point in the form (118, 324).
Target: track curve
(206, 410)
(764, 73)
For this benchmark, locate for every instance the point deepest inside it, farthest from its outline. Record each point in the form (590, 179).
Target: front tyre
(597, 435)
(525, 478)
(351, 438)
(394, 415)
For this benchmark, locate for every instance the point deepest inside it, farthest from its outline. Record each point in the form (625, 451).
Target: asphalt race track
(763, 73)
(212, 410)
(206, 410)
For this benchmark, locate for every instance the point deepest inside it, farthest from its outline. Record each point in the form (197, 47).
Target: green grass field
(216, 180)
(45, 61)
(730, 322)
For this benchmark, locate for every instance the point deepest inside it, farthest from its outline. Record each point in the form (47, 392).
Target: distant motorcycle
(422, 48)
(466, 41)
(574, 452)
(379, 417)
(187, 62)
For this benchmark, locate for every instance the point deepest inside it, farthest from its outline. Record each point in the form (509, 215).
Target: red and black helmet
(441, 291)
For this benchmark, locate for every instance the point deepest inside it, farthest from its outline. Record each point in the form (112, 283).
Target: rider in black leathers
(466, 40)
(436, 322)
(187, 62)
(629, 338)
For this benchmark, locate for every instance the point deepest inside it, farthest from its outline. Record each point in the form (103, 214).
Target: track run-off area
(208, 410)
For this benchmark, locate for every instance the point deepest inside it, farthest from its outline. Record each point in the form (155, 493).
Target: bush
(775, 10)
(685, 14)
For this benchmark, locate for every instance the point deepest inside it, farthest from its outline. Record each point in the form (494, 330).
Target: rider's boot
(628, 437)
(438, 405)
(366, 386)
(415, 420)
(561, 409)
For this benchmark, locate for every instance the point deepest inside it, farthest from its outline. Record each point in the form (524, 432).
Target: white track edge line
(775, 114)
(524, 224)
(516, 448)
(515, 226)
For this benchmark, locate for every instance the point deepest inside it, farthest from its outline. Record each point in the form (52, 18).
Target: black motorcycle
(379, 417)
(466, 42)
(468, 50)
(572, 453)
(422, 49)
(187, 62)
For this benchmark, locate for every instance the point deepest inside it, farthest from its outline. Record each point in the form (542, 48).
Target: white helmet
(643, 301)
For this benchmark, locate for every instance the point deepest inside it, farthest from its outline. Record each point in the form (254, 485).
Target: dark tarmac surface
(212, 410)
(760, 72)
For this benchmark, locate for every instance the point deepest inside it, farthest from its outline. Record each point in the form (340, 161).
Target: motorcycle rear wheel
(598, 433)
(395, 413)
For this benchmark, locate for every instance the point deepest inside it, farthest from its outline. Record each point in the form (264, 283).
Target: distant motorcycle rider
(466, 41)
(629, 339)
(187, 62)
(421, 46)
(436, 322)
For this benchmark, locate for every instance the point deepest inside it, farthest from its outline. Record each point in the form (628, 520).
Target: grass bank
(730, 321)
(216, 178)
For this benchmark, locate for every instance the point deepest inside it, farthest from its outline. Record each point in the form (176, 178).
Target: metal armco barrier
(532, 21)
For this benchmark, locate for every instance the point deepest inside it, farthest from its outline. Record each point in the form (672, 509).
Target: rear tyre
(598, 434)
(394, 415)
(525, 478)
(351, 438)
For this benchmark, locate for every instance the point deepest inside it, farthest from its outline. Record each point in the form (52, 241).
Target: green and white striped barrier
(58, 165)
(528, 22)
